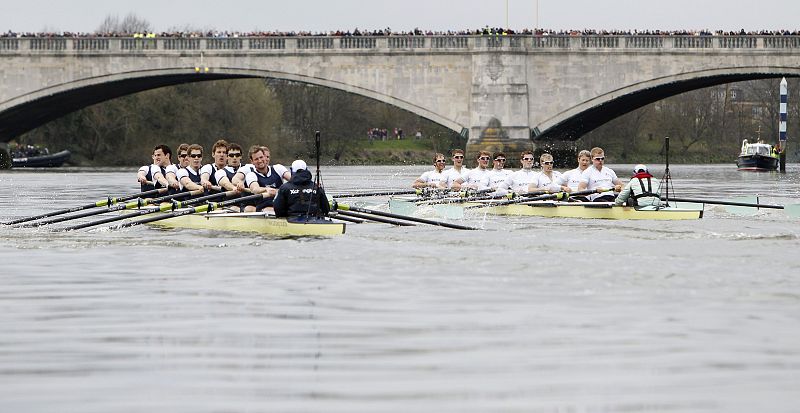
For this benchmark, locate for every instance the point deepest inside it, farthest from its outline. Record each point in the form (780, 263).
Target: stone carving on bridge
(495, 67)
(494, 138)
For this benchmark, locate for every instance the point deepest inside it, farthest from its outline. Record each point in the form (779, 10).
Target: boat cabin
(763, 149)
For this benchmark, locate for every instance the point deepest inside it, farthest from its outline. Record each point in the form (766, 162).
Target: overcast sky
(399, 15)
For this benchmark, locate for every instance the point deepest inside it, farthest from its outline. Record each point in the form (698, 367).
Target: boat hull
(589, 210)
(254, 222)
(594, 211)
(45, 161)
(756, 163)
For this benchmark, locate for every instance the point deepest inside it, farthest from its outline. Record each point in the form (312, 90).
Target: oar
(345, 218)
(373, 218)
(346, 207)
(161, 208)
(413, 191)
(105, 202)
(208, 207)
(130, 205)
(791, 209)
(524, 201)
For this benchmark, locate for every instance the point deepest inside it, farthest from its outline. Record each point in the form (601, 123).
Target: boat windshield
(759, 149)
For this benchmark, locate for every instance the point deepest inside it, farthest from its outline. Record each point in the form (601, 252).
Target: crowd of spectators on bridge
(415, 32)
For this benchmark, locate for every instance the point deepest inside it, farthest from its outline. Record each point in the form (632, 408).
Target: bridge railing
(315, 44)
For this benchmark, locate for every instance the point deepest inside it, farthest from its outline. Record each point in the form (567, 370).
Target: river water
(526, 315)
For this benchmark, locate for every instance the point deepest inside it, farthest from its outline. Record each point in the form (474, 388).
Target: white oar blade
(449, 211)
(692, 206)
(743, 210)
(792, 210)
(402, 206)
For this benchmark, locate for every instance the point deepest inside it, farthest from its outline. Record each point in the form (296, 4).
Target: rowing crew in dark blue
(300, 196)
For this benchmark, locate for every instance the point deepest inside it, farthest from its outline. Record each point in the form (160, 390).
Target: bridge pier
(5, 156)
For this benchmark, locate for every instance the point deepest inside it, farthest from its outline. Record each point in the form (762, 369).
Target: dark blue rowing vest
(273, 180)
(194, 177)
(149, 176)
(230, 172)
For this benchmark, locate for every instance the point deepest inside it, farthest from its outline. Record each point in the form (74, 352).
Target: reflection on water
(529, 314)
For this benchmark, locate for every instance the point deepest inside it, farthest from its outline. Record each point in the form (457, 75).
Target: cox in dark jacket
(297, 197)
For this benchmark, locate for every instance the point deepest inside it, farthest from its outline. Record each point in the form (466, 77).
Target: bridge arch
(580, 119)
(31, 110)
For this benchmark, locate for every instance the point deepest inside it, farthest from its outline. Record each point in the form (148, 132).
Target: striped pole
(782, 127)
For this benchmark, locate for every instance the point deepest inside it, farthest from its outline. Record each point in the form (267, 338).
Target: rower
(546, 180)
(219, 154)
(570, 180)
(172, 170)
(457, 171)
(498, 174)
(599, 176)
(435, 178)
(642, 190)
(300, 197)
(263, 178)
(189, 177)
(477, 178)
(518, 181)
(238, 179)
(234, 162)
(153, 176)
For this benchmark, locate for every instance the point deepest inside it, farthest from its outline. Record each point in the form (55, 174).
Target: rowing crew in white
(500, 180)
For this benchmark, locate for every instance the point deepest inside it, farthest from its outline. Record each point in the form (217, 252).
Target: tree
(130, 24)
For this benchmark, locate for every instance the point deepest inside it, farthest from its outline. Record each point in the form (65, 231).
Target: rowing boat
(550, 209)
(595, 210)
(254, 222)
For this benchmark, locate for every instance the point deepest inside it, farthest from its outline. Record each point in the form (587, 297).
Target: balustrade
(225, 43)
(267, 43)
(90, 44)
(357, 43)
(315, 43)
(181, 44)
(643, 42)
(692, 42)
(9, 44)
(406, 42)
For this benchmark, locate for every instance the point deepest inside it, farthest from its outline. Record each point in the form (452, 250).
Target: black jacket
(295, 197)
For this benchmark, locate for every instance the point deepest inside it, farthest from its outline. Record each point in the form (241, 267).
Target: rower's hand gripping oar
(346, 207)
(162, 208)
(105, 202)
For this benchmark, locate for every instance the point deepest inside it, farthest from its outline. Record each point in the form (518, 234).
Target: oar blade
(449, 211)
(792, 210)
(743, 210)
(692, 206)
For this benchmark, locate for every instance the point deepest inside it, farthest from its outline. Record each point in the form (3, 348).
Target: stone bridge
(500, 91)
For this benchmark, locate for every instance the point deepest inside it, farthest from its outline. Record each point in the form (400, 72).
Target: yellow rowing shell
(550, 209)
(592, 210)
(253, 222)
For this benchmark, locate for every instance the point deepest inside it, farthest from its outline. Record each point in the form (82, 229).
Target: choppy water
(529, 314)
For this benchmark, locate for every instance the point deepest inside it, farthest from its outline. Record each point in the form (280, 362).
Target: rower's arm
(419, 183)
(161, 179)
(172, 181)
(141, 176)
(188, 184)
